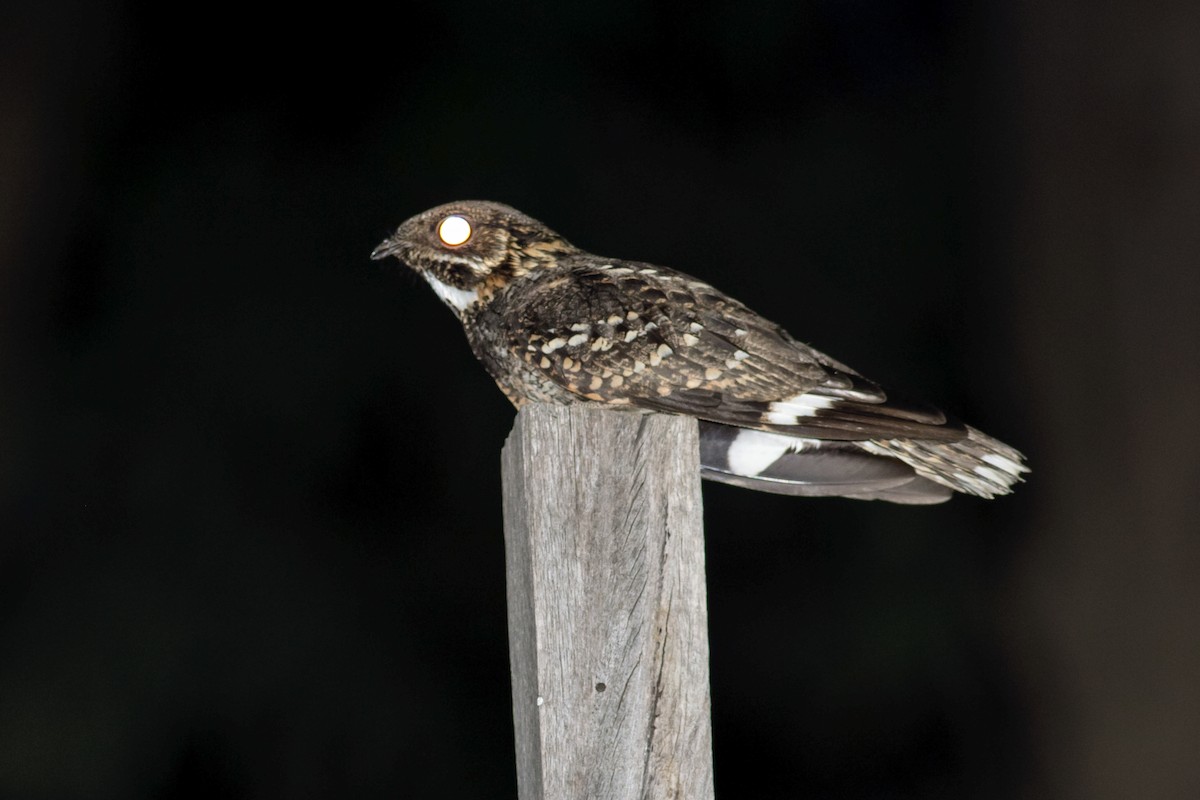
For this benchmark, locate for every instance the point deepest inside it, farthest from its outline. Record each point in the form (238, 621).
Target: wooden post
(607, 619)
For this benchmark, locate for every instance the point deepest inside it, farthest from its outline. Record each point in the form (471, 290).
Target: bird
(553, 323)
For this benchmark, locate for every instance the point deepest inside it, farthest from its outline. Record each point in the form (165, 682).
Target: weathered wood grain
(608, 623)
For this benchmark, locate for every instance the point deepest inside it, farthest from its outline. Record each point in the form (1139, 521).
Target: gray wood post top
(606, 605)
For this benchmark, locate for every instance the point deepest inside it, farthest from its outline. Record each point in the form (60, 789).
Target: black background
(250, 538)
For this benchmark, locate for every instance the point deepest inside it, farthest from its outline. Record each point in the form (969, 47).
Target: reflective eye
(454, 230)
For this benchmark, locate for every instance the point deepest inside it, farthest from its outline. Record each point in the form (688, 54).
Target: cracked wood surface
(607, 617)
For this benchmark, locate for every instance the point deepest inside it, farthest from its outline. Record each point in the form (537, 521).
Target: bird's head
(471, 249)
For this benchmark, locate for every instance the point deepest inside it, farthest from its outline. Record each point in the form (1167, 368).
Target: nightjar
(555, 324)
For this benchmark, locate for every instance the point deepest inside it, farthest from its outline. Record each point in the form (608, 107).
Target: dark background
(250, 537)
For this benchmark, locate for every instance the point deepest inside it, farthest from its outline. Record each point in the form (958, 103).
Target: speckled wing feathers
(661, 340)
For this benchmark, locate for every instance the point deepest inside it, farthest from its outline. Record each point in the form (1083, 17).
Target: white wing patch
(789, 410)
(751, 452)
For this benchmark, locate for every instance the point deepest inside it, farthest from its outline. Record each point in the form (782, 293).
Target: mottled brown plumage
(552, 323)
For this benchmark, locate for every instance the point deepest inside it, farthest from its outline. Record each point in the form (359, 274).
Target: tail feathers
(917, 492)
(773, 462)
(978, 464)
(908, 471)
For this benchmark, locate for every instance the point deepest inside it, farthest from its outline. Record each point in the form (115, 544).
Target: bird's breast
(520, 378)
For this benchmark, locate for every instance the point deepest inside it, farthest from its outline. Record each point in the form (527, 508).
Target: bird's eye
(454, 230)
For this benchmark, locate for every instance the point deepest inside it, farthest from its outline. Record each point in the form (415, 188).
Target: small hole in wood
(600, 687)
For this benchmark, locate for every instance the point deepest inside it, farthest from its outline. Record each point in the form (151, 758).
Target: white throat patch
(458, 299)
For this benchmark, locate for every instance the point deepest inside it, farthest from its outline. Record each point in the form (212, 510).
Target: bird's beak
(387, 247)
